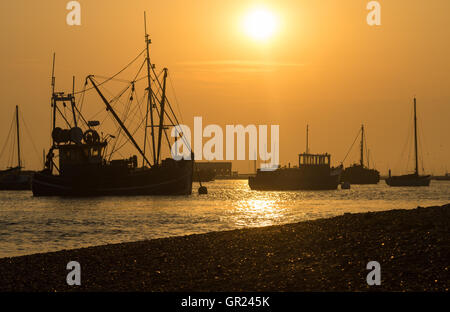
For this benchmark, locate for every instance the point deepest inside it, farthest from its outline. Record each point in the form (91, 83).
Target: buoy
(202, 190)
(345, 185)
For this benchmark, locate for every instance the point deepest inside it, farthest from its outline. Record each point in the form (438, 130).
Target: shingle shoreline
(412, 247)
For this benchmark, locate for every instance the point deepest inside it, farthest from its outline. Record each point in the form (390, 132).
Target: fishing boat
(314, 172)
(414, 179)
(84, 169)
(15, 178)
(359, 173)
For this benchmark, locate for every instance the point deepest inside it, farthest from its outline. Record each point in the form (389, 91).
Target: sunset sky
(321, 65)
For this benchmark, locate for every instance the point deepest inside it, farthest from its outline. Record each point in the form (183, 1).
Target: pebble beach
(412, 247)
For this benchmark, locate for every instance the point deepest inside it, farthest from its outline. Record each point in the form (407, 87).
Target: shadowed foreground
(412, 247)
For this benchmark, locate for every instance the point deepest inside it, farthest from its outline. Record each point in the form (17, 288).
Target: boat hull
(174, 180)
(15, 180)
(294, 179)
(360, 175)
(408, 180)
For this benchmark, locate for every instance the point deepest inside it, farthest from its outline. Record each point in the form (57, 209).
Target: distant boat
(203, 175)
(14, 178)
(414, 179)
(314, 172)
(445, 177)
(84, 169)
(358, 173)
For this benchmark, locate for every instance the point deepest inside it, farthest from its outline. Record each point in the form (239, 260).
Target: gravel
(412, 247)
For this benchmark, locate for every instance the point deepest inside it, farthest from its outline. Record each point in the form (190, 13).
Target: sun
(260, 24)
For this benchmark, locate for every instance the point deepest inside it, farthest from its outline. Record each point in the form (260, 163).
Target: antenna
(307, 138)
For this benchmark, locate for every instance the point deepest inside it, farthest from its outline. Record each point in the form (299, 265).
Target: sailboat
(84, 169)
(414, 179)
(14, 178)
(359, 173)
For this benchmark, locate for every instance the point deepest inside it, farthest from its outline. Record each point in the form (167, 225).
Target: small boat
(15, 178)
(203, 175)
(314, 172)
(84, 169)
(414, 179)
(359, 173)
(445, 177)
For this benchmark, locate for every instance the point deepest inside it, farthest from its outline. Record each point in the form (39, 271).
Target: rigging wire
(13, 150)
(175, 96)
(420, 140)
(131, 114)
(8, 137)
(116, 74)
(31, 138)
(177, 124)
(351, 146)
(406, 146)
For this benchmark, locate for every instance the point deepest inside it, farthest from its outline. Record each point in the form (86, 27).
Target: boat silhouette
(359, 173)
(314, 172)
(84, 170)
(15, 178)
(414, 179)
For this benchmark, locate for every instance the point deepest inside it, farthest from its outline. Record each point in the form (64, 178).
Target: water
(32, 225)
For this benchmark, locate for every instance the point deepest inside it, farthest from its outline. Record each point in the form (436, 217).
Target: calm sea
(32, 225)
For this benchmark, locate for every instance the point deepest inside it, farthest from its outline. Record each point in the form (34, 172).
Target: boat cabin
(307, 159)
(74, 155)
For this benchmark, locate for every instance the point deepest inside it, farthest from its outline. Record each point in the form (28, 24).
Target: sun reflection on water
(258, 212)
(30, 225)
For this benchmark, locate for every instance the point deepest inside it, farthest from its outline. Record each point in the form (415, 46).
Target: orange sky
(325, 66)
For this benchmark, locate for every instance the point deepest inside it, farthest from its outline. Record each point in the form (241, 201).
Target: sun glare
(260, 24)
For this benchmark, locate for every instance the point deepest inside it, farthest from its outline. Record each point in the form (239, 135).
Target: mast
(362, 146)
(119, 121)
(18, 137)
(415, 138)
(149, 101)
(72, 102)
(307, 137)
(161, 118)
(53, 94)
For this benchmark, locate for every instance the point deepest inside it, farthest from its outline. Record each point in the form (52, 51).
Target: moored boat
(15, 178)
(84, 169)
(414, 179)
(359, 173)
(314, 172)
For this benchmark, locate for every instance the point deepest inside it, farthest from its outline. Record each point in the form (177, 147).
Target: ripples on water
(30, 225)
